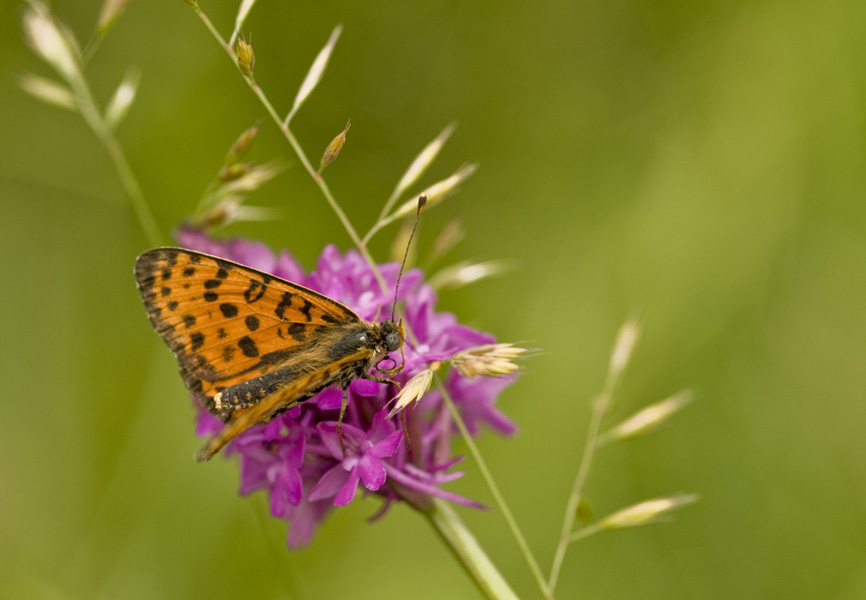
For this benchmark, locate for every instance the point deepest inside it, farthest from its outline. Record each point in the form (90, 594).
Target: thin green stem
(216, 34)
(584, 532)
(377, 226)
(494, 490)
(389, 204)
(91, 48)
(90, 113)
(599, 408)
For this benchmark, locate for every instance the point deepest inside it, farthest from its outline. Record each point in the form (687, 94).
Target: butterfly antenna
(422, 200)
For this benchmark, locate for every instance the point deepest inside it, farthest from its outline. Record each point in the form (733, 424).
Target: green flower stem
(494, 489)
(296, 146)
(90, 113)
(389, 204)
(584, 532)
(599, 408)
(377, 226)
(444, 519)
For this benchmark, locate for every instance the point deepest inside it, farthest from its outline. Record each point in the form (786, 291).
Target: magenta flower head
(298, 458)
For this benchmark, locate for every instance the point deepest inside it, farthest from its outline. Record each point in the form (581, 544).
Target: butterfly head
(392, 335)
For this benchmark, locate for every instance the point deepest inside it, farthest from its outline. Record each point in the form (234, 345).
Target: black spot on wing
(252, 322)
(197, 340)
(172, 304)
(248, 347)
(189, 272)
(296, 330)
(255, 291)
(189, 320)
(284, 305)
(306, 308)
(165, 291)
(222, 333)
(212, 284)
(228, 353)
(211, 296)
(229, 311)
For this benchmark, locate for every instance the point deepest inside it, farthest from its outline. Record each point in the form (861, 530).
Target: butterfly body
(250, 345)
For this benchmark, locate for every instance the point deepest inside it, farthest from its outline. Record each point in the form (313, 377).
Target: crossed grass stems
(441, 515)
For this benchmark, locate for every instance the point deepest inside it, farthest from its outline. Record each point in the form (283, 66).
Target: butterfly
(251, 345)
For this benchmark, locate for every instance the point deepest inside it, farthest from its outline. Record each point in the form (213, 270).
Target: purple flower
(297, 458)
(361, 462)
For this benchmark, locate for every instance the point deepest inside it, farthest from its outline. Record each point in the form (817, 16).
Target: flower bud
(123, 97)
(449, 237)
(489, 360)
(50, 42)
(649, 418)
(438, 191)
(413, 390)
(648, 511)
(623, 347)
(465, 272)
(242, 144)
(109, 13)
(246, 58)
(333, 149)
(233, 171)
(48, 91)
(423, 160)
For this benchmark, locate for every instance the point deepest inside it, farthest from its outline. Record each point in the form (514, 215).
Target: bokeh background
(701, 163)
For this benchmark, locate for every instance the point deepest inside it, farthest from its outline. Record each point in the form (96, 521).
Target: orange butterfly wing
(225, 322)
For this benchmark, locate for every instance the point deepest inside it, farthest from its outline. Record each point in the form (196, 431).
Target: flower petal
(329, 399)
(409, 482)
(347, 492)
(288, 268)
(372, 472)
(365, 387)
(328, 433)
(381, 427)
(386, 447)
(330, 483)
(207, 424)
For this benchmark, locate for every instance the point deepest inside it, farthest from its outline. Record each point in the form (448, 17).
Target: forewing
(226, 322)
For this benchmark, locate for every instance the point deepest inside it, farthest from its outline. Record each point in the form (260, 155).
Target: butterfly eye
(392, 341)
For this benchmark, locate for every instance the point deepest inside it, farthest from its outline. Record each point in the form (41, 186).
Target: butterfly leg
(343, 405)
(382, 380)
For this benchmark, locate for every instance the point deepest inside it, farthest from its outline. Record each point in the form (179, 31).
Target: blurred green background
(702, 163)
